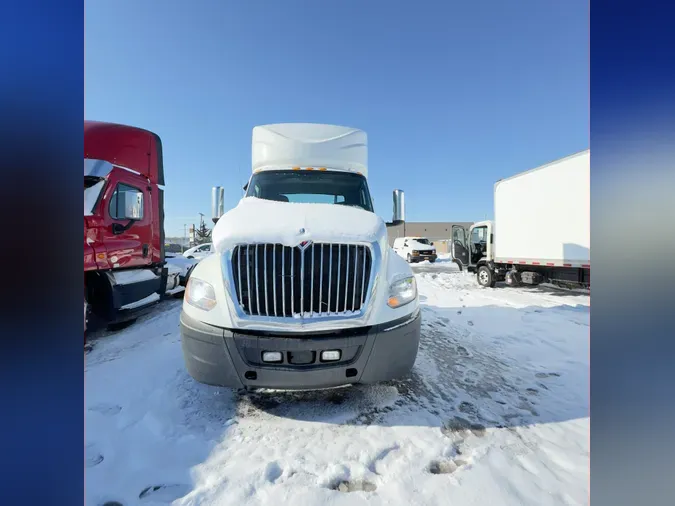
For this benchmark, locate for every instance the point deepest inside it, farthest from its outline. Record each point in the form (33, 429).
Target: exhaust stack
(217, 203)
(399, 207)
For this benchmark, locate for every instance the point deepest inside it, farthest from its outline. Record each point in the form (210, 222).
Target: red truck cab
(124, 265)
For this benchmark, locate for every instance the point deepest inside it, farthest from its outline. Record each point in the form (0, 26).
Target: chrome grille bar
(274, 277)
(283, 280)
(330, 275)
(337, 293)
(302, 281)
(292, 282)
(257, 282)
(321, 283)
(241, 297)
(363, 278)
(265, 276)
(356, 270)
(311, 290)
(248, 279)
(347, 271)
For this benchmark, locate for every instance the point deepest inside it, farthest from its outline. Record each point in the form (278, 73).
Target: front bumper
(227, 358)
(422, 258)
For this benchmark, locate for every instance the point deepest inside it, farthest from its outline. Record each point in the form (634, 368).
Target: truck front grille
(320, 280)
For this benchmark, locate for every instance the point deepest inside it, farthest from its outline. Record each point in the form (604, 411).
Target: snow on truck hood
(420, 246)
(265, 221)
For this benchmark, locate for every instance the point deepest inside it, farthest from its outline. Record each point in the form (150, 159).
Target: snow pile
(290, 223)
(496, 412)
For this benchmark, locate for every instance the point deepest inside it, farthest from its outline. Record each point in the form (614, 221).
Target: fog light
(330, 355)
(271, 356)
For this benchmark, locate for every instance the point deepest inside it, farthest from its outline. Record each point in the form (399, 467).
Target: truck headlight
(200, 294)
(402, 292)
(415, 252)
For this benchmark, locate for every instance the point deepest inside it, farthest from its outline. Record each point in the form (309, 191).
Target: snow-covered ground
(496, 412)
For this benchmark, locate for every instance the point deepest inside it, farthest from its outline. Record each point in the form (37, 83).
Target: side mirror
(133, 205)
(432, 243)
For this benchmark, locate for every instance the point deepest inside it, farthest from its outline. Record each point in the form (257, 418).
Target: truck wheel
(486, 277)
(408, 258)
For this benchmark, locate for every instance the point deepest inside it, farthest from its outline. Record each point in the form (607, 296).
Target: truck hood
(264, 221)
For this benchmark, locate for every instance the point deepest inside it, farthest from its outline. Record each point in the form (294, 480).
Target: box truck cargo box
(543, 215)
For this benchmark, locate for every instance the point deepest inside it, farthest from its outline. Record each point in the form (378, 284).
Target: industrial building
(439, 233)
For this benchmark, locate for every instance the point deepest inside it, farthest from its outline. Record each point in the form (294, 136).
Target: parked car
(415, 249)
(199, 252)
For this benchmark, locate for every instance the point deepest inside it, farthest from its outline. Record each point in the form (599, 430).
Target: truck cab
(124, 264)
(473, 247)
(303, 290)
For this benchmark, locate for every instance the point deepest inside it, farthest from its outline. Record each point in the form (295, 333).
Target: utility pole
(182, 246)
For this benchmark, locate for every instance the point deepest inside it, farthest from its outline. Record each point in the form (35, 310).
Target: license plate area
(301, 357)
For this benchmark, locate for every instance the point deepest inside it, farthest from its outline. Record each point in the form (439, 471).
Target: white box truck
(303, 290)
(541, 229)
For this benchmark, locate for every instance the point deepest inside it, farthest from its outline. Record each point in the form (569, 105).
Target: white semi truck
(303, 291)
(541, 228)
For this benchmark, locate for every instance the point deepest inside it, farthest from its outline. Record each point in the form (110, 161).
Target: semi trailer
(303, 290)
(125, 270)
(540, 232)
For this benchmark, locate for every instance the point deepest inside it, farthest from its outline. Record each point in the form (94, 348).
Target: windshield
(315, 187)
(423, 241)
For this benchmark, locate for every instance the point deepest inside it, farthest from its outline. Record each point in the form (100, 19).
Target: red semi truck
(125, 269)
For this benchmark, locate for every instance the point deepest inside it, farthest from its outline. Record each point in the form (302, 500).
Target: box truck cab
(124, 264)
(303, 290)
(415, 249)
(541, 230)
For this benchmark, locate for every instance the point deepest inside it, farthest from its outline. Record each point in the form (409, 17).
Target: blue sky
(453, 95)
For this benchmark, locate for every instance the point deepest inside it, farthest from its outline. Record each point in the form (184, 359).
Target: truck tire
(408, 258)
(486, 277)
